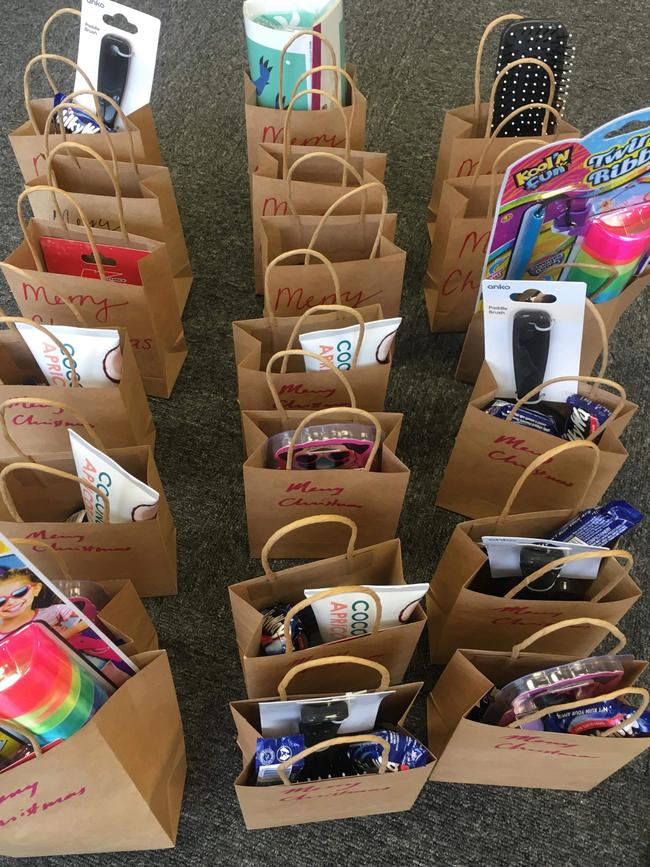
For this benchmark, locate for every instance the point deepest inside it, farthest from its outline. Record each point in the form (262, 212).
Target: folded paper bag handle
(307, 522)
(594, 380)
(286, 135)
(326, 308)
(284, 353)
(572, 558)
(347, 167)
(57, 111)
(9, 320)
(563, 624)
(288, 254)
(328, 67)
(326, 594)
(333, 742)
(499, 162)
(511, 16)
(36, 253)
(11, 401)
(311, 664)
(350, 193)
(38, 543)
(42, 59)
(66, 303)
(66, 10)
(24, 732)
(585, 702)
(548, 105)
(52, 471)
(336, 410)
(539, 461)
(112, 174)
(298, 35)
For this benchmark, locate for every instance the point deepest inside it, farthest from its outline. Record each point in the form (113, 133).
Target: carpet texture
(415, 61)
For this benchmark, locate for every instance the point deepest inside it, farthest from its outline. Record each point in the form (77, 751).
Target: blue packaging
(405, 752)
(75, 120)
(598, 717)
(586, 417)
(525, 416)
(600, 526)
(272, 642)
(271, 752)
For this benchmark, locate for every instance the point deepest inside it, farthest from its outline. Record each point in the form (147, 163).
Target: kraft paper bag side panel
(475, 753)
(461, 147)
(148, 201)
(256, 340)
(473, 355)
(29, 145)
(347, 241)
(126, 613)
(119, 415)
(325, 128)
(143, 552)
(150, 311)
(314, 187)
(111, 787)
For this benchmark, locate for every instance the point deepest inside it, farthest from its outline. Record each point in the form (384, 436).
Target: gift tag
(68, 256)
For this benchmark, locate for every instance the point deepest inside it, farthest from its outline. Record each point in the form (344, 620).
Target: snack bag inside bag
(269, 25)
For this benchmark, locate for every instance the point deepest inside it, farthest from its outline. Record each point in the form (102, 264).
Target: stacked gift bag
(101, 279)
(324, 646)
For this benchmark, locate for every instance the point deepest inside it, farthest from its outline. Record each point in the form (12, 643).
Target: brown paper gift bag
(377, 564)
(459, 243)
(256, 340)
(458, 615)
(465, 135)
(323, 800)
(27, 140)
(274, 497)
(36, 500)
(37, 417)
(490, 454)
(322, 128)
(369, 264)
(149, 311)
(128, 196)
(474, 752)
(304, 180)
(111, 786)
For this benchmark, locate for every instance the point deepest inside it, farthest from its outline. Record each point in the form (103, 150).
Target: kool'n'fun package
(580, 203)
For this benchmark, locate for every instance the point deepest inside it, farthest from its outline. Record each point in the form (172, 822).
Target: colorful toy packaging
(579, 203)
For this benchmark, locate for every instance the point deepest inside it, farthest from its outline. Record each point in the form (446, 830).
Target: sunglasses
(17, 594)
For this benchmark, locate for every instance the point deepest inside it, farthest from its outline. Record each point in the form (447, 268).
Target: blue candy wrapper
(598, 717)
(601, 526)
(75, 119)
(525, 416)
(272, 642)
(271, 752)
(585, 418)
(405, 752)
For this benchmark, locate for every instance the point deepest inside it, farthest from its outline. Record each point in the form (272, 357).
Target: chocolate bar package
(544, 421)
(600, 526)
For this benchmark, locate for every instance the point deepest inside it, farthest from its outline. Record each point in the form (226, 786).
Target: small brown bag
(322, 128)
(459, 616)
(40, 415)
(361, 247)
(377, 564)
(297, 803)
(256, 340)
(466, 140)
(459, 243)
(150, 311)
(37, 509)
(475, 752)
(111, 786)
(490, 454)
(274, 497)
(304, 180)
(28, 140)
(126, 196)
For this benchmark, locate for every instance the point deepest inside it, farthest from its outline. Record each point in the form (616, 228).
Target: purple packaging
(525, 416)
(595, 718)
(75, 120)
(585, 418)
(405, 752)
(271, 752)
(599, 527)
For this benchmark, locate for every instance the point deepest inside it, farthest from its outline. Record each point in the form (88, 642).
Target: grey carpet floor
(415, 61)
